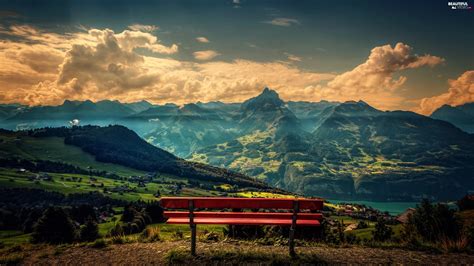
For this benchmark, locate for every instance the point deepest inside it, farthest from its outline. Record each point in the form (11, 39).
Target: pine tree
(55, 227)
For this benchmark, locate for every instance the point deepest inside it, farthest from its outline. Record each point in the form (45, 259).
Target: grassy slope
(54, 149)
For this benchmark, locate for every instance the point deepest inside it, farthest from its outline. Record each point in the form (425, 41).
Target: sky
(395, 55)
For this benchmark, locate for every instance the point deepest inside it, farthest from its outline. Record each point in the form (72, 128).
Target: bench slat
(243, 221)
(268, 215)
(239, 203)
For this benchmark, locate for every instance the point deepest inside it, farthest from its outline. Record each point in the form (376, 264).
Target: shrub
(433, 223)
(459, 244)
(89, 231)
(382, 231)
(362, 225)
(117, 230)
(55, 227)
(150, 234)
(178, 234)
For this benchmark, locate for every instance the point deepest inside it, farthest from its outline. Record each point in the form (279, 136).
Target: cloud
(283, 22)
(292, 57)
(143, 28)
(202, 39)
(461, 91)
(374, 79)
(205, 55)
(236, 3)
(39, 67)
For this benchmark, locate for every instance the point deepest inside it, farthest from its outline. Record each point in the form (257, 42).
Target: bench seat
(243, 221)
(248, 215)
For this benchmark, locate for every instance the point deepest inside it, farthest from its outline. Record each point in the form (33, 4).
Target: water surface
(393, 208)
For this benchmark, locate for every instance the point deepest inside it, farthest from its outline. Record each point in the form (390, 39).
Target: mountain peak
(352, 108)
(268, 99)
(269, 93)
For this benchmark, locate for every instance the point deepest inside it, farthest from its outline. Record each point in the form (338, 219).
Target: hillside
(107, 159)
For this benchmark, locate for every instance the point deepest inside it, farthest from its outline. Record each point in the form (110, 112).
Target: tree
(155, 212)
(55, 227)
(90, 230)
(434, 222)
(382, 231)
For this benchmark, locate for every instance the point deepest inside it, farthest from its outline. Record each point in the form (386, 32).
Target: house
(403, 217)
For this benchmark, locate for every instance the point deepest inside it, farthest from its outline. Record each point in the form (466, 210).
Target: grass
(54, 149)
(251, 194)
(64, 183)
(169, 231)
(11, 259)
(68, 186)
(104, 228)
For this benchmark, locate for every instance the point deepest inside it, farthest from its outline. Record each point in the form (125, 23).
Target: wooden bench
(293, 216)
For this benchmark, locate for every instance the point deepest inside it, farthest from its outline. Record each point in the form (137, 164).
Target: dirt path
(161, 253)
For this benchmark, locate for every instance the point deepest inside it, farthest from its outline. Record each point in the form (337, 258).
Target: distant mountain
(75, 110)
(344, 150)
(139, 106)
(352, 151)
(461, 116)
(263, 111)
(9, 110)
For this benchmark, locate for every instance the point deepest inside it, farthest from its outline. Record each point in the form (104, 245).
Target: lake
(393, 208)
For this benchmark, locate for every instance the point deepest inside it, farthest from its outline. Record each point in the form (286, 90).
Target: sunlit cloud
(144, 28)
(283, 22)
(205, 55)
(202, 39)
(39, 68)
(374, 81)
(461, 91)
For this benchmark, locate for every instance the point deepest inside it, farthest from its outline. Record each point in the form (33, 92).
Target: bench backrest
(240, 203)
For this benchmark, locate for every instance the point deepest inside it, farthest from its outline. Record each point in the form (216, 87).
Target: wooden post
(193, 227)
(291, 243)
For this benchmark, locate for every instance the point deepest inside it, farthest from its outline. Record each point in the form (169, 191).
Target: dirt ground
(177, 252)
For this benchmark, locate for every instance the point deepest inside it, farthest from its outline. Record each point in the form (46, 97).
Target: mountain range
(337, 150)
(461, 116)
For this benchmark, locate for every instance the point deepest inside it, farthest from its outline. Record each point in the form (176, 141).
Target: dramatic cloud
(205, 55)
(461, 91)
(283, 22)
(374, 79)
(144, 28)
(41, 68)
(202, 39)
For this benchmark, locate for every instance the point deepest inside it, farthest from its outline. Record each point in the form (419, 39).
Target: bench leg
(193, 239)
(291, 243)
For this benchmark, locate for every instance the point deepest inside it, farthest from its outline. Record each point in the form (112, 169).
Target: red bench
(292, 217)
